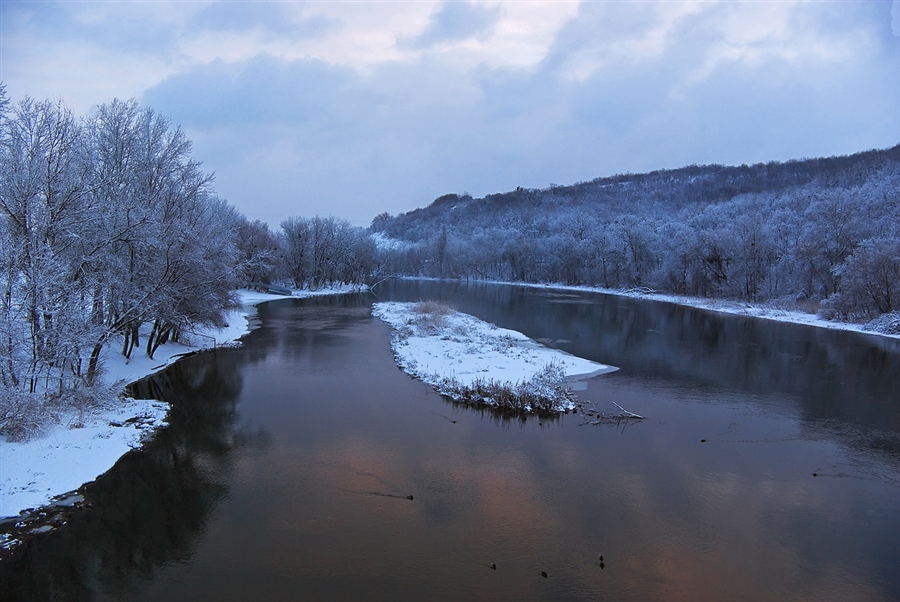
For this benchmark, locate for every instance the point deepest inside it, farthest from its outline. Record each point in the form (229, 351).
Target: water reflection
(150, 509)
(288, 468)
(836, 380)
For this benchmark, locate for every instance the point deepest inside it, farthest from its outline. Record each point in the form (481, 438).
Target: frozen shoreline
(457, 351)
(740, 308)
(83, 446)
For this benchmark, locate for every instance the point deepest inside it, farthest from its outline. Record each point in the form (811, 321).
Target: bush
(24, 415)
(543, 393)
(885, 324)
(27, 415)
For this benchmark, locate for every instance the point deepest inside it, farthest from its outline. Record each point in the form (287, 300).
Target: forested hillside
(820, 233)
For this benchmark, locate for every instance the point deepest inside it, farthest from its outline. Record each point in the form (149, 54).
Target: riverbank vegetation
(820, 235)
(544, 393)
(112, 234)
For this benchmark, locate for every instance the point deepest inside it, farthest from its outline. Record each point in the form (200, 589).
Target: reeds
(544, 393)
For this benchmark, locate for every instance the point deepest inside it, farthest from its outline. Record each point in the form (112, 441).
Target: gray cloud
(454, 22)
(304, 137)
(269, 16)
(67, 22)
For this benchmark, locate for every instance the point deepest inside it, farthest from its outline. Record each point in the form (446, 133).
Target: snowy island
(472, 361)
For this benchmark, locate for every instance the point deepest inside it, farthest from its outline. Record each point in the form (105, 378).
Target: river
(768, 467)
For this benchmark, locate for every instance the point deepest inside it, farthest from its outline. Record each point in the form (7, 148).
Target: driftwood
(595, 416)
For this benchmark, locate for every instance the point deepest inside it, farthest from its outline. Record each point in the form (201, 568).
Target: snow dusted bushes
(544, 393)
(885, 324)
(24, 415)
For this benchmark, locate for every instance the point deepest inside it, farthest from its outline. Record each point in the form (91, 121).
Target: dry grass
(544, 393)
(807, 305)
(433, 308)
(24, 416)
(431, 316)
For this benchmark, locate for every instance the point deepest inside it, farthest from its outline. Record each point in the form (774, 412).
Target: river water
(768, 467)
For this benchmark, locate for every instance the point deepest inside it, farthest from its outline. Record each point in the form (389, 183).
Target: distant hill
(823, 234)
(670, 189)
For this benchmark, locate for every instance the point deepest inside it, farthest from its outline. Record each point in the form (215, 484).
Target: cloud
(306, 137)
(895, 17)
(455, 21)
(275, 18)
(355, 109)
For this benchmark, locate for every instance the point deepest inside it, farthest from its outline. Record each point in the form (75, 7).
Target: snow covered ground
(82, 446)
(436, 346)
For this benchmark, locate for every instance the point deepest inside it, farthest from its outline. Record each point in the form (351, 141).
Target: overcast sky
(352, 108)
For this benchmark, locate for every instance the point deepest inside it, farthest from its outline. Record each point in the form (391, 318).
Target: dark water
(286, 469)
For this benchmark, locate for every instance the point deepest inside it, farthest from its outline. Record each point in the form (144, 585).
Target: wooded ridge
(817, 234)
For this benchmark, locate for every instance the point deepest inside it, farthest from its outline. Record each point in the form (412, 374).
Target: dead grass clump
(544, 393)
(24, 416)
(431, 316)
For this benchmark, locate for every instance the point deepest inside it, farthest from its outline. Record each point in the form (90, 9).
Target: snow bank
(83, 446)
(74, 452)
(437, 345)
(740, 308)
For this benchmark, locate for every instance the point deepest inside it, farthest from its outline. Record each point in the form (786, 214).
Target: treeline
(111, 232)
(823, 234)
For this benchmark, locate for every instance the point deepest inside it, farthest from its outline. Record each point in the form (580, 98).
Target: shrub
(24, 415)
(544, 393)
(885, 324)
(27, 415)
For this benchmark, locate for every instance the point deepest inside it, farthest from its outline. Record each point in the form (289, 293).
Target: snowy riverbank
(80, 446)
(740, 308)
(456, 352)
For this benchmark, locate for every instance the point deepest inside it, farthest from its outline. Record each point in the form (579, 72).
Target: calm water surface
(285, 472)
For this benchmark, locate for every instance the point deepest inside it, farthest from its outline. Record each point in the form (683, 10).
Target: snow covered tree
(44, 207)
(166, 247)
(870, 282)
(99, 224)
(259, 255)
